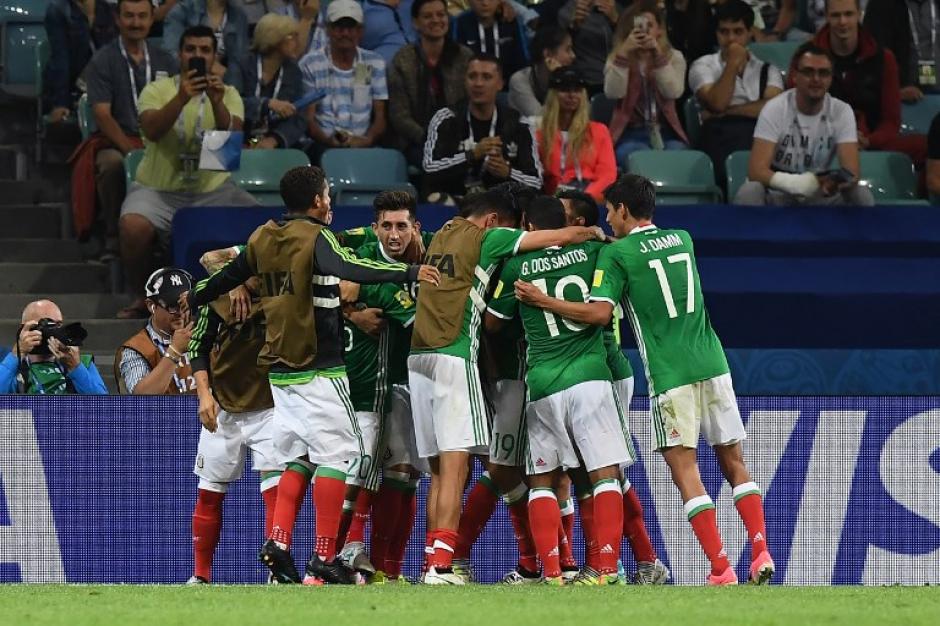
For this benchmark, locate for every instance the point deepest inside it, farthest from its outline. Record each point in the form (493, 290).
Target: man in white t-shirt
(805, 148)
(732, 86)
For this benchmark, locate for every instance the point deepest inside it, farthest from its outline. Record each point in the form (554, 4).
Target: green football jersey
(508, 349)
(498, 245)
(357, 237)
(561, 353)
(617, 361)
(652, 272)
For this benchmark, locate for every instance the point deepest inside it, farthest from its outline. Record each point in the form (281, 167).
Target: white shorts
(623, 391)
(709, 406)
(363, 470)
(220, 457)
(315, 419)
(447, 404)
(508, 440)
(582, 419)
(400, 445)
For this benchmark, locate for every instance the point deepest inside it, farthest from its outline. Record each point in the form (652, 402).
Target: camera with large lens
(69, 334)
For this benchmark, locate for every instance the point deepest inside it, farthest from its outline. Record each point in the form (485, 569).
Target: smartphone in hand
(198, 64)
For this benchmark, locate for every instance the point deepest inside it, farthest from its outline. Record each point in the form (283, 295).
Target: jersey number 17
(659, 268)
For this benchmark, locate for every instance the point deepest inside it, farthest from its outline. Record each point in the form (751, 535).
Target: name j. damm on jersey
(553, 262)
(655, 244)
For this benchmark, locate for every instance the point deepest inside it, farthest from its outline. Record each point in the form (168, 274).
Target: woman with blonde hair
(576, 153)
(269, 81)
(646, 75)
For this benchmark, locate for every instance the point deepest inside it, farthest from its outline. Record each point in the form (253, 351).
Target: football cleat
(334, 572)
(355, 557)
(553, 581)
(588, 576)
(655, 573)
(280, 562)
(464, 569)
(443, 577)
(727, 577)
(380, 578)
(762, 569)
(569, 572)
(196, 580)
(521, 576)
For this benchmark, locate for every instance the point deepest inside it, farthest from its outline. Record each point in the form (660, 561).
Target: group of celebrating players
(318, 353)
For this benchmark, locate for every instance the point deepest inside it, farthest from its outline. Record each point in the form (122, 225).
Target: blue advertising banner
(100, 489)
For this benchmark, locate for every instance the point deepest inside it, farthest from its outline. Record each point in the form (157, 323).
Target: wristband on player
(174, 361)
(173, 354)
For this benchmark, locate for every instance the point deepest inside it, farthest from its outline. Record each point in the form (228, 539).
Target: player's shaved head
(634, 192)
(546, 213)
(41, 308)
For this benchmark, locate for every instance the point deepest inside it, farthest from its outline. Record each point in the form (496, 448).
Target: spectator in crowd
(42, 364)
(75, 30)
(484, 30)
(576, 152)
(591, 24)
(115, 77)
(154, 361)
(916, 50)
(227, 21)
(933, 157)
(311, 32)
(479, 143)
(174, 113)
(528, 87)
(388, 27)
(254, 10)
(798, 136)
(732, 86)
(646, 74)
(779, 20)
(269, 82)
(865, 76)
(424, 77)
(691, 24)
(352, 115)
(161, 8)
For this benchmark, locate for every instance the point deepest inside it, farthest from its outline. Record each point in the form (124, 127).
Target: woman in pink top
(576, 153)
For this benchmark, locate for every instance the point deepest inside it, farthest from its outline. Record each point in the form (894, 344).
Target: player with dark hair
(448, 404)
(652, 273)
(300, 265)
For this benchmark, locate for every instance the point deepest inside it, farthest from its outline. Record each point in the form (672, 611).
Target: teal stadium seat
(736, 172)
(602, 108)
(680, 176)
(890, 176)
(357, 175)
(131, 161)
(261, 171)
(916, 118)
(777, 53)
(693, 120)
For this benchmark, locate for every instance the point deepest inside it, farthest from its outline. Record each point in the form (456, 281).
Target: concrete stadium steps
(40, 251)
(75, 306)
(45, 278)
(31, 192)
(18, 221)
(104, 336)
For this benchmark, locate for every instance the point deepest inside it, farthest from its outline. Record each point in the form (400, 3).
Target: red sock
(701, 513)
(385, 511)
(398, 544)
(207, 526)
(291, 490)
(444, 542)
(328, 492)
(345, 519)
(747, 500)
(269, 496)
(519, 516)
(357, 529)
(476, 513)
(545, 520)
(634, 528)
(565, 536)
(586, 507)
(608, 524)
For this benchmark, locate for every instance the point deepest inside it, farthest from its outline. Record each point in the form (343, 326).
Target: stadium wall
(101, 490)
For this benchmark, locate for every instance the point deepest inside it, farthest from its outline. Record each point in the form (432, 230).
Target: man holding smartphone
(174, 114)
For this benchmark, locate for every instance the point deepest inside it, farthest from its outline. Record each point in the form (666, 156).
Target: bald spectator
(40, 363)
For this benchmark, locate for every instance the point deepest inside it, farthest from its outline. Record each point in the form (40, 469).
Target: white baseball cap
(339, 9)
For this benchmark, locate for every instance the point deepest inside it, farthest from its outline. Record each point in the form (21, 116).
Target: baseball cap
(566, 78)
(339, 9)
(166, 285)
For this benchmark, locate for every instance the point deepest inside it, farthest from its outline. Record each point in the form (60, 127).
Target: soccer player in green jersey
(572, 416)
(653, 273)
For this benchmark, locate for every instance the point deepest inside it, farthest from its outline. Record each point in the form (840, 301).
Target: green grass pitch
(37, 605)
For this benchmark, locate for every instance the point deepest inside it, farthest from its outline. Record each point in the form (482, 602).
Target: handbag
(221, 150)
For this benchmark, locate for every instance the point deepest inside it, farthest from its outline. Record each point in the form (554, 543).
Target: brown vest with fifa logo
(144, 345)
(455, 251)
(239, 383)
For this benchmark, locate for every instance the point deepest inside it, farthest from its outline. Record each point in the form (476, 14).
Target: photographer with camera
(46, 358)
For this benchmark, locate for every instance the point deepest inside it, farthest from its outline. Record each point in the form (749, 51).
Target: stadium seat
(693, 120)
(680, 176)
(602, 108)
(777, 53)
(736, 172)
(131, 161)
(261, 171)
(86, 119)
(20, 37)
(890, 176)
(916, 118)
(357, 175)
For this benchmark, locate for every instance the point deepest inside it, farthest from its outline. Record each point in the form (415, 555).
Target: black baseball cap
(166, 285)
(566, 78)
